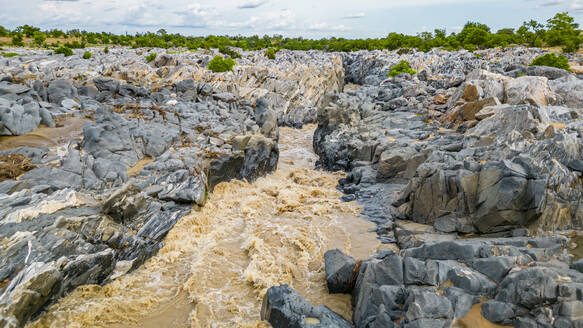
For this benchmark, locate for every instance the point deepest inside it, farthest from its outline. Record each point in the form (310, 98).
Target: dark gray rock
(340, 271)
(59, 90)
(284, 308)
(103, 84)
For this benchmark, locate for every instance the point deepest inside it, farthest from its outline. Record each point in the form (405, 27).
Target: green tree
(27, 30)
(39, 38)
(17, 40)
(563, 31)
(531, 32)
(474, 34)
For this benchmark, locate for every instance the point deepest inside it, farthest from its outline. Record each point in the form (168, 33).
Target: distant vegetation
(229, 52)
(402, 67)
(558, 31)
(220, 64)
(552, 60)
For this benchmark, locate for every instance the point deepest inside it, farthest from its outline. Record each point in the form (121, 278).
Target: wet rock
(340, 271)
(284, 308)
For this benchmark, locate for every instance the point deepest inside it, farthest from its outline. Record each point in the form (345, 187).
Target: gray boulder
(284, 308)
(340, 271)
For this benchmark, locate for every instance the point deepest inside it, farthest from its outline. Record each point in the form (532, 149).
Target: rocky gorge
(469, 169)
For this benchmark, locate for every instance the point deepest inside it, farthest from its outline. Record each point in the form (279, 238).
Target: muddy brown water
(218, 262)
(69, 130)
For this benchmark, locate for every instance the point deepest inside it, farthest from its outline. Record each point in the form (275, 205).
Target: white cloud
(328, 28)
(355, 16)
(249, 4)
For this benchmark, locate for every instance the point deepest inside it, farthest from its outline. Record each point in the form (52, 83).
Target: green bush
(572, 45)
(229, 52)
(220, 64)
(106, 50)
(270, 53)
(10, 54)
(65, 51)
(86, 55)
(151, 57)
(17, 40)
(552, 60)
(402, 67)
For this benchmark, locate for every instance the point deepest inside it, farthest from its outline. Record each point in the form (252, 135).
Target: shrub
(86, 55)
(17, 40)
(65, 51)
(220, 64)
(402, 67)
(270, 53)
(75, 45)
(106, 50)
(572, 45)
(470, 47)
(552, 60)
(229, 52)
(403, 51)
(10, 54)
(151, 57)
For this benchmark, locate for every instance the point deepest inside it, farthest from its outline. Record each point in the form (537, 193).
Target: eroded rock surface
(100, 198)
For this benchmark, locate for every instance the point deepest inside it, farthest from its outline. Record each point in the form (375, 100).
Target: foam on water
(218, 262)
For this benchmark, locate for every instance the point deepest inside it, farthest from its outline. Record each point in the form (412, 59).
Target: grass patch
(10, 54)
(13, 165)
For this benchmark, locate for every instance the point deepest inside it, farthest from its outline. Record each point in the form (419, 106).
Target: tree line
(558, 31)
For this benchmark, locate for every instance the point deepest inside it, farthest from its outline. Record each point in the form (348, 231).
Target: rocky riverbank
(472, 168)
(103, 156)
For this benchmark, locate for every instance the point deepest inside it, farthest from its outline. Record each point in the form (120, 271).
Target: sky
(306, 18)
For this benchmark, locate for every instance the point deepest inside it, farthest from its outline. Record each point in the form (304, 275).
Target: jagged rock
(11, 88)
(103, 84)
(18, 120)
(340, 271)
(528, 90)
(59, 90)
(550, 73)
(284, 308)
